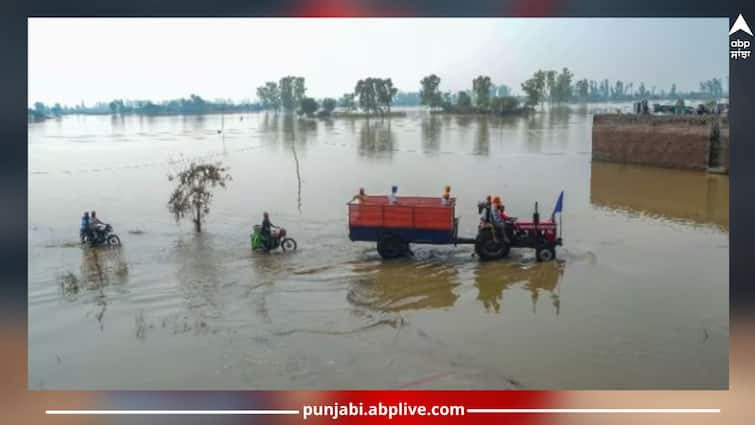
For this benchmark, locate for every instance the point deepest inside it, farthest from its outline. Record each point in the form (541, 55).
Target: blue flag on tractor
(559, 205)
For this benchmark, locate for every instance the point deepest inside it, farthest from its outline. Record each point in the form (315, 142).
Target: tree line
(192, 105)
(484, 97)
(372, 95)
(376, 96)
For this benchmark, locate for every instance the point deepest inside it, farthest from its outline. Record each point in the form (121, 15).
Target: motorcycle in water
(278, 239)
(101, 235)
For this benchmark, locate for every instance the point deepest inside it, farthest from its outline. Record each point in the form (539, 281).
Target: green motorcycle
(278, 239)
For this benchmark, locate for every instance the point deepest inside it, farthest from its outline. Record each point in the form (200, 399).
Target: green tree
(712, 87)
(385, 93)
(366, 92)
(594, 90)
(463, 99)
(447, 101)
(286, 87)
(534, 88)
(40, 108)
(308, 106)
(481, 87)
(269, 95)
(193, 193)
(347, 102)
(292, 91)
(117, 107)
(375, 94)
(563, 86)
(299, 89)
(617, 92)
(582, 87)
(550, 84)
(328, 105)
(429, 92)
(642, 91)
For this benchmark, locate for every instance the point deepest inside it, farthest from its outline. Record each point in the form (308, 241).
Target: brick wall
(665, 141)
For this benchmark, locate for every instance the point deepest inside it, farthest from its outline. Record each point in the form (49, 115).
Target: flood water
(638, 298)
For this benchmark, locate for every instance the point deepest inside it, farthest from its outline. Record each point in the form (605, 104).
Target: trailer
(427, 220)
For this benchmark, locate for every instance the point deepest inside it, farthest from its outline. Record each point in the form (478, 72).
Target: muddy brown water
(638, 297)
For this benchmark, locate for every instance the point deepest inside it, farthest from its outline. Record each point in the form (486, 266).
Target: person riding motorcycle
(96, 226)
(266, 230)
(84, 230)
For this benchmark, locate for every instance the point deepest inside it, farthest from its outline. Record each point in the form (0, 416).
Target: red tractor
(542, 235)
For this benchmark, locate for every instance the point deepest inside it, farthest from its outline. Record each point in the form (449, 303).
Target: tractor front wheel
(545, 253)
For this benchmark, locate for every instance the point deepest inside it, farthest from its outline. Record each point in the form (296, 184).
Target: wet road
(638, 298)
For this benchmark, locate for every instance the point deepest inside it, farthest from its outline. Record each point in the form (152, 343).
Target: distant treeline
(376, 96)
(185, 106)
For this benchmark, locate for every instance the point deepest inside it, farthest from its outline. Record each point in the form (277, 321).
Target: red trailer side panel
(410, 212)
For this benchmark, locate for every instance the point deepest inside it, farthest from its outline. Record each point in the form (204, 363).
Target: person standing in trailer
(445, 199)
(393, 197)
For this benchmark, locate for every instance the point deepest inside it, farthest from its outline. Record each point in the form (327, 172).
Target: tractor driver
(498, 218)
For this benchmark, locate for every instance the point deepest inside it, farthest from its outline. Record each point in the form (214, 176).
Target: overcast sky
(88, 59)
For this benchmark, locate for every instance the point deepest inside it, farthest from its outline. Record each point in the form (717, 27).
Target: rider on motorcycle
(266, 230)
(96, 225)
(84, 230)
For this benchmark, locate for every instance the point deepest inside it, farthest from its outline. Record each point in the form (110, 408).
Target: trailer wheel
(545, 253)
(488, 249)
(392, 247)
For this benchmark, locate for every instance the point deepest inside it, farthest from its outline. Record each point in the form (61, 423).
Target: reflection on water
(200, 276)
(658, 192)
(493, 279)
(431, 129)
(100, 269)
(464, 121)
(558, 116)
(101, 266)
(269, 124)
(399, 286)
(376, 139)
(117, 122)
(482, 140)
(208, 313)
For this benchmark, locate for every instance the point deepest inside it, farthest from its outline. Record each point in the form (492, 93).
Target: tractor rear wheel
(392, 247)
(488, 248)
